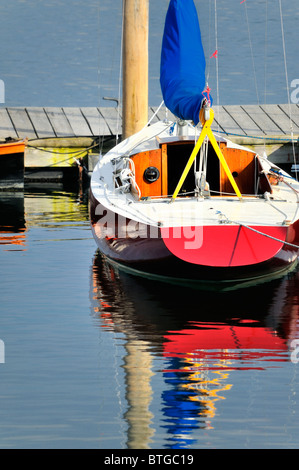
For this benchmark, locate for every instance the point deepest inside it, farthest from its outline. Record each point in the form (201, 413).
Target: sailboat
(179, 203)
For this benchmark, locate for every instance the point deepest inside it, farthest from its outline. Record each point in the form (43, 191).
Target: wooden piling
(135, 66)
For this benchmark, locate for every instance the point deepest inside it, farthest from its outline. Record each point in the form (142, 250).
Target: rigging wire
(251, 53)
(216, 48)
(266, 53)
(120, 71)
(287, 86)
(216, 63)
(117, 100)
(101, 138)
(209, 41)
(252, 60)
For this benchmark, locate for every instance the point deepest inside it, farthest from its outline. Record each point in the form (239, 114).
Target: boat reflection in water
(19, 212)
(201, 339)
(12, 221)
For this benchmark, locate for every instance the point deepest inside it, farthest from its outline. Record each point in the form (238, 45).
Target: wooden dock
(271, 121)
(58, 136)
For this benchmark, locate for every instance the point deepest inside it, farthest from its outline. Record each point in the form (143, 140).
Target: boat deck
(281, 210)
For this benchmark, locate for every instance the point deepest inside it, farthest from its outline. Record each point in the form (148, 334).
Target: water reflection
(203, 339)
(12, 220)
(45, 208)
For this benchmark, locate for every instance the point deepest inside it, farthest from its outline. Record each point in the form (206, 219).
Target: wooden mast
(135, 66)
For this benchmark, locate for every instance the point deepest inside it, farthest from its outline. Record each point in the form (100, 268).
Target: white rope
(264, 234)
(132, 177)
(155, 114)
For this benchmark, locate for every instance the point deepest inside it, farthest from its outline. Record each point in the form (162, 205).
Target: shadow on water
(201, 336)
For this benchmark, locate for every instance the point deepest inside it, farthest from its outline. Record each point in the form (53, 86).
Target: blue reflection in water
(180, 411)
(151, 368)
(207, 354)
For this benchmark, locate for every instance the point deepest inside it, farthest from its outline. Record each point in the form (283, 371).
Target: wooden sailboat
(178, 202)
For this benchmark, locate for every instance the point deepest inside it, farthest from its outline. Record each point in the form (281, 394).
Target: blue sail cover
(182, 73)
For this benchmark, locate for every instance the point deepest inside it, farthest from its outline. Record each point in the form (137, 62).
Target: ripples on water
(211, 352)
(57, 53)
(100, 359)
(97, 358)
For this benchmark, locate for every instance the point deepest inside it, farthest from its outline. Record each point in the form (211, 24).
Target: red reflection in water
(203, 349)
(8, 238)
(243, 342)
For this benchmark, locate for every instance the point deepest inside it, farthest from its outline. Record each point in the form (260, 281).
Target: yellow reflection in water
(207, 388)
(43, 209)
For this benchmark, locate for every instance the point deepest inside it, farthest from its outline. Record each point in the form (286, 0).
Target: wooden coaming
(158, 159)
(244, 165)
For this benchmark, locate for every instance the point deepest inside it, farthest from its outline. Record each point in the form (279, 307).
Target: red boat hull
(215, 253)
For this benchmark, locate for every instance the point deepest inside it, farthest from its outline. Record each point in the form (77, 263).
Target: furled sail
(182, 73)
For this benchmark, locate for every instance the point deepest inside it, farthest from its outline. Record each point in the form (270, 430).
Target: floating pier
(61, 138)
